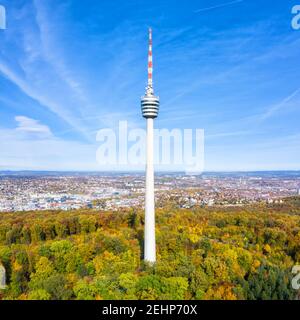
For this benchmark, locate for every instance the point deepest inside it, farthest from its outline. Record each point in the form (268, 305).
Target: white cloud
(33, 127)
(27, 147)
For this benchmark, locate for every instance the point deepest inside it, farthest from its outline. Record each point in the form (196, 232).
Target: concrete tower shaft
(150, 106)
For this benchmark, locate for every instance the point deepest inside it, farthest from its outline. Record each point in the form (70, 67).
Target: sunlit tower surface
(150, 106)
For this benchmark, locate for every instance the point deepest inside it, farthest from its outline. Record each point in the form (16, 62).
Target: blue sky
(70, 68)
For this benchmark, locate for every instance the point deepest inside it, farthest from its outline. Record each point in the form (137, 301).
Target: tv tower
(150, 106)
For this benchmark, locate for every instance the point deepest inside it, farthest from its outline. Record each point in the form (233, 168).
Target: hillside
(204, 253)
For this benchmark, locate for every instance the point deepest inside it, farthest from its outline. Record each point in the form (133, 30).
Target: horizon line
(142, 171)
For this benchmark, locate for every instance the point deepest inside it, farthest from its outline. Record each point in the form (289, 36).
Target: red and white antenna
(150, 63)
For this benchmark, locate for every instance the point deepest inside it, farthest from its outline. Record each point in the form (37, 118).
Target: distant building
(211, 202)
(2, 277)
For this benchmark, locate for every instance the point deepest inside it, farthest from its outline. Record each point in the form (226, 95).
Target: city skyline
(227, 67)
(114, 192)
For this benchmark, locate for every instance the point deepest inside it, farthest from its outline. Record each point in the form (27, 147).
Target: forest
(204, 253)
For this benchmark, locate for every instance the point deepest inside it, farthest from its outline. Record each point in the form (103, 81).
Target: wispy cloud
(228, 134)
(273, 109)
(39, 70)
(226, 4)
(52, 52)
(43, 100)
